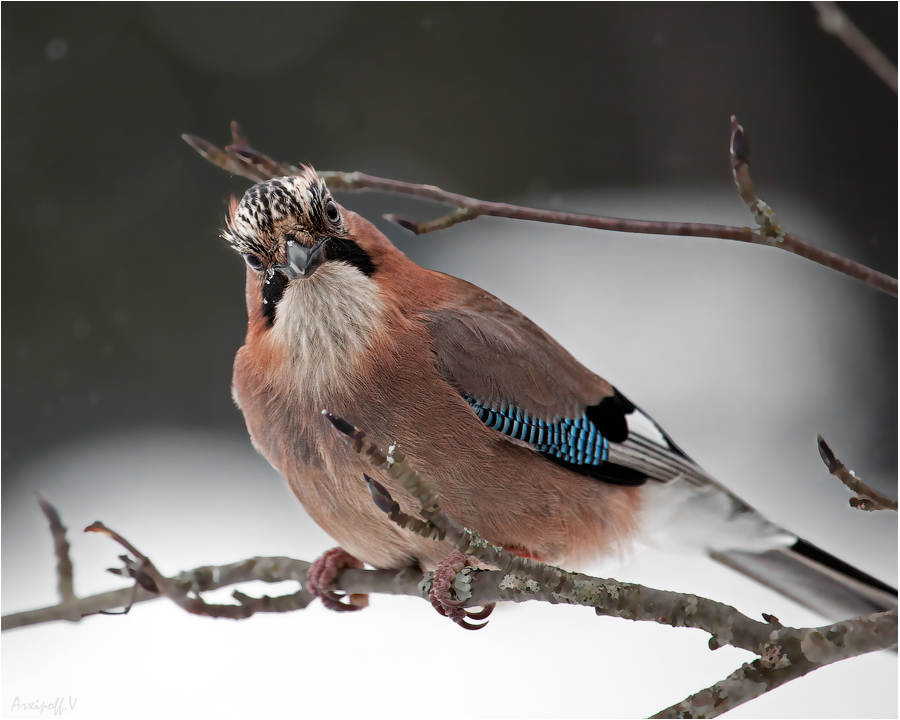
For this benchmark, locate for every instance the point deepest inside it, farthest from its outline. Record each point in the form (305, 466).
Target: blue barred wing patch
(572, 441)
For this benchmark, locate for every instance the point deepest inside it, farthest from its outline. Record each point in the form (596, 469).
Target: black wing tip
(808, 550)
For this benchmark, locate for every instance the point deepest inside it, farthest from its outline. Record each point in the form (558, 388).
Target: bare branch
(64, 569)
(625, 600)
(765, 218)
(196, 605)
(865, 498)
(789, 655)
(833, 21)
(241, 159)
(783, 653)
(74, 611)
(202, 579)
(442, 223)
(770, 231)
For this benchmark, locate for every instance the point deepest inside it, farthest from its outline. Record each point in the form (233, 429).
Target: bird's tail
(685, 508)
(695, 512)
(814, 579)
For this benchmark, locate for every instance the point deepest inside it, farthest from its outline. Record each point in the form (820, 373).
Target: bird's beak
(303, 261)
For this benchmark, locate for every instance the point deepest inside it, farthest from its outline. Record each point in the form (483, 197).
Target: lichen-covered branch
(725, 624)
(787, 657)
(836, 23)
(864, 498)
(783, 653)
(240, 159)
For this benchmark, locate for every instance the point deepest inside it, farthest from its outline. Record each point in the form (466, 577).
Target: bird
(522, 443)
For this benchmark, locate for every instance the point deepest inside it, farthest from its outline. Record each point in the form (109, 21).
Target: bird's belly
(327, 479)
(339, 501)
(507, 493)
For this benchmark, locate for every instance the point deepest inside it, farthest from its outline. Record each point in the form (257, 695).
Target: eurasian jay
(522, 443)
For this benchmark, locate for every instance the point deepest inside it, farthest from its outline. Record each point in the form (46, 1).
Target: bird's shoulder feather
(495, 354)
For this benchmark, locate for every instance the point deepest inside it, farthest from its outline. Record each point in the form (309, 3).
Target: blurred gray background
(123, 310)
(122, 307)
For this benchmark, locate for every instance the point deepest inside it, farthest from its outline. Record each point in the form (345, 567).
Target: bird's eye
(331, 211)
(254, 262)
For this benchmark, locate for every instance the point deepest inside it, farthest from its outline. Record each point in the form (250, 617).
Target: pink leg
(321, 576)
(443, 601)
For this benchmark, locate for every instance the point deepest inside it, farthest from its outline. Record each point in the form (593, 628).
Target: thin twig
(865, 498)
(196, 605)
(833, 21)
(240, 159)
(764, 216)
(608, 597)
(64, 569)
(201, 579)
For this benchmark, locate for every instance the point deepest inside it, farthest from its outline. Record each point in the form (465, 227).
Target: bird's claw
(321, 577)
(481, 614)
(445, 603)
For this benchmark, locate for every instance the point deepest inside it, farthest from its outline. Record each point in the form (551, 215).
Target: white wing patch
(640, 424)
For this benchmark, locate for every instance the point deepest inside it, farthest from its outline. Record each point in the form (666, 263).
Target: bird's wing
(524, 384)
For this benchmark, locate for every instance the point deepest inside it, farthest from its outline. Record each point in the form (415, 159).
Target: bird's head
(292, 233)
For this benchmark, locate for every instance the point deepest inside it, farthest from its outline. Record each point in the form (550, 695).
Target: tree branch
(179, 594)
(240, 159)
(201, 579)
(784, 653)
(64, 569)
(772, 231)
(785, 659)
(739, 149)
(833, 21)
(865, 498)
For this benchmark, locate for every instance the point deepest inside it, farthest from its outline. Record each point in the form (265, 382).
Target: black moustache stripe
(272, 292)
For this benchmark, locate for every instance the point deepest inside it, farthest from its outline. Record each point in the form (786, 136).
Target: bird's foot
(441, 594)
(321, 576)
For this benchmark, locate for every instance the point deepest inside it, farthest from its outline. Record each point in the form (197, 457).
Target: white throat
(325, 322)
